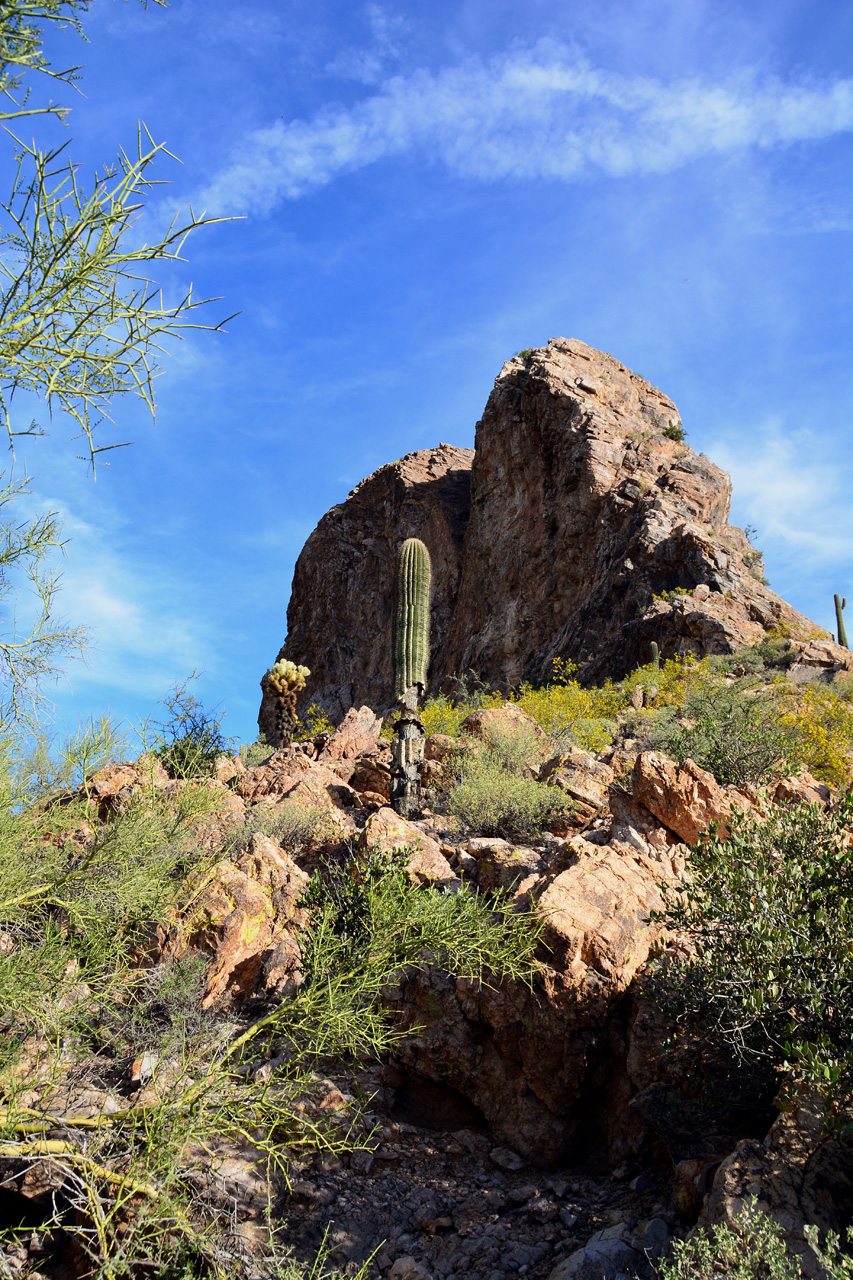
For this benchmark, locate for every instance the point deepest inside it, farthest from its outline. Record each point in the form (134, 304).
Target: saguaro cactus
(411, 658)
(284, 680)
(654, 653)
(840, 606)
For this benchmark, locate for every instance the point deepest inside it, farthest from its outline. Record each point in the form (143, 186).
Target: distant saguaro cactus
(411, 658)
(840, 606)
(284, 680)
(655, 654)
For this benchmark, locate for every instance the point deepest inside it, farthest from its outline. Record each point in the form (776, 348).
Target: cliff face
(582, 509)
(549, 540)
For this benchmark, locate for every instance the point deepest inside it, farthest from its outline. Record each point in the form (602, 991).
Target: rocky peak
(579, 505)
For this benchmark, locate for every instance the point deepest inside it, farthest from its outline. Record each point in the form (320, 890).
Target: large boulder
(386, 830)
(800, 1175)
(684, 797)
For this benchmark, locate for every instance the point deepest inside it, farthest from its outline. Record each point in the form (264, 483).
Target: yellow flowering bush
(820, 721)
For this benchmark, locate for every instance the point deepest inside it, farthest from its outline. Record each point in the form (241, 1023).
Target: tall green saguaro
(411, 659)
(840, 606)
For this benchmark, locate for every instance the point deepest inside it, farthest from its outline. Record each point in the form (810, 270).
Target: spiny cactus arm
(286, 677)
(411, 617)
(840, 606)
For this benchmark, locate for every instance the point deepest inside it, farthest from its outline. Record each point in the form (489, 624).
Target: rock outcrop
(339, 614)
(579, 505)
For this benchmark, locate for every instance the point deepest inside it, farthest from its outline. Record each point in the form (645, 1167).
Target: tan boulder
(530, 1058)
(802, 789)
(509, 868)
(245, 919)
(634, 826)
(506, 719)
(227, 768)
(580, 775)
(437, 746)
(295, 777)
(798, 1175)
(386, 830)
(371, 776)
(684, 797)
(357, 732)
(276, 776)
(821, 657)
(597, 912)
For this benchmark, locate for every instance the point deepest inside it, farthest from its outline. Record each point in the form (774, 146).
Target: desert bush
(836, 1265)
(752, 1249)
(494, 792)
(314, 721)
(733, 731)
(769, 913)
(252, 753)
(190, 739)
(774, 652)
(818, 722)
(290, 823)
(160, 1012)
(570, 711)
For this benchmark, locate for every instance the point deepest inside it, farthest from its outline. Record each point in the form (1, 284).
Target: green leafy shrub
(675, 431)
(770, 915)
(752, 1249)
(252, 753)
(774, 652)
(836, 1265)
(190, 739)
(733, 731)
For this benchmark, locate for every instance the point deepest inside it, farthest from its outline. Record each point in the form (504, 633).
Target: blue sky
(422, 190)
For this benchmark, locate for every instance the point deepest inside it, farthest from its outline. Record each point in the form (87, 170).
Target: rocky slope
(543, 1131)
(550, 540)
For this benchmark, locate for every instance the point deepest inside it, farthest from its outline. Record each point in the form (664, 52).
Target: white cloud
(543, 113)
(793, 491)
(143, 635)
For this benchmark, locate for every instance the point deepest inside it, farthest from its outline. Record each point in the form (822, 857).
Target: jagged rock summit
(578, 506)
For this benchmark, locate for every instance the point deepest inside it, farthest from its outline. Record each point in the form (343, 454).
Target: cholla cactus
(284, 680)
(286, 677)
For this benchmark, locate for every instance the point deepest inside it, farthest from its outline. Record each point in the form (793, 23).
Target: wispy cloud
(793, 492)
(142, 632)
(543, 113)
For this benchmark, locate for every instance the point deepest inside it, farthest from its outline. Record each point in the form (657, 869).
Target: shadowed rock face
(549, 540)
(339, 616)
